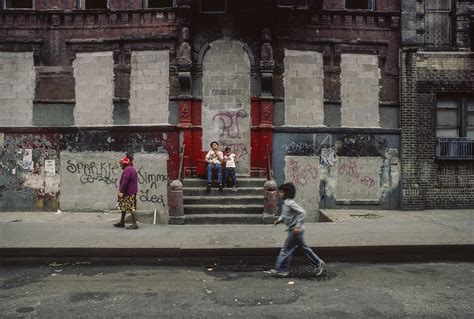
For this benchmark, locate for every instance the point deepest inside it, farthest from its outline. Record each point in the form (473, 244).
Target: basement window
(19, 4)
(152, 4)
(93, 4)
(213, 6)
(360, 5)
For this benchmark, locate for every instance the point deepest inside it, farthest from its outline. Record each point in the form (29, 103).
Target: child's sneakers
(208, 188)
(320, 268)
(277, 273)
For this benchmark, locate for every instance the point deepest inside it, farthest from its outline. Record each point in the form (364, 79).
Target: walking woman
(127, 194)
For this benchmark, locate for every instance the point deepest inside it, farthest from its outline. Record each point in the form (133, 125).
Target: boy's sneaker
(221, 187)
(208, 188)
(236, 185)
(277, 273)
(320, 268)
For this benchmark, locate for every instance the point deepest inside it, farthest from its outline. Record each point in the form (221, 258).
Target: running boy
(293, 215)
(230, 159)
(214, 159)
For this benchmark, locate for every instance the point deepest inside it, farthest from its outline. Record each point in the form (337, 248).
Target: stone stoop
(239, 205)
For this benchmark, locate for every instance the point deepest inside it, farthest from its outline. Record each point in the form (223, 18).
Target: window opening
(455, 127)
(159, 4)
(213, 6)
(360, 4)
(438, 23)
(93, 4)
(19, 4)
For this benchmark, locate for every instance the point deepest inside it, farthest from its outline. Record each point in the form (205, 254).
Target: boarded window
(213, 6)
(360, 4)
(121, 114)
(159, 3)
(19, 4)
(438, 22)
(53, 114)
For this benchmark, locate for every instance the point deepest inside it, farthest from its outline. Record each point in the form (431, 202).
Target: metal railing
(460, 148)
(181, 163)
(269, 165)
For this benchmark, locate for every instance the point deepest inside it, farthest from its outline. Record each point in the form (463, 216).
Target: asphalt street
(239, 290)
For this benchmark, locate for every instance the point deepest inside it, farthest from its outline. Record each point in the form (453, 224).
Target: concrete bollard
(176, 206)
(270, 202)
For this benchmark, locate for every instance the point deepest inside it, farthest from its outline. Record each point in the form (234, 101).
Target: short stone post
(176, 203)
(270, 201)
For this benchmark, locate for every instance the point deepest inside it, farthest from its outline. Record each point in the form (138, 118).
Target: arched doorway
(226, 104)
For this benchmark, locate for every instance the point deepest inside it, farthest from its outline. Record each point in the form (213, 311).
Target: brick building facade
(437, 104)
(317, 81)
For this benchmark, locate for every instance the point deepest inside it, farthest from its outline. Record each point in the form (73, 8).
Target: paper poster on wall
(50, 167)
(27, 162)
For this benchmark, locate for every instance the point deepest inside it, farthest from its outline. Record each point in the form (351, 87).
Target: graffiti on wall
(302, 174)
(348, 167)
(91, 172)
(228, 122)
(358, 178)
(240, 149)
(359, 145)
(90, 180)
(328, 156)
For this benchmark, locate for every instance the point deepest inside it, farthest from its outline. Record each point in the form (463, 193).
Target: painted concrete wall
(304, 88)
(360, 76)
(333, 170)
(149, 87)
(90, 180)
(17, 88)
(303, 172)
(226, 100)
(74, 170)
(94, 78)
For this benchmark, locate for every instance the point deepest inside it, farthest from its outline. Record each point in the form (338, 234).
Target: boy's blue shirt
(292, 214)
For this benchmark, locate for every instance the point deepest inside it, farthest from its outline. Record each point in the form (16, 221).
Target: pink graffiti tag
(230, 122)
(240, 149)
(367, 181)
(301, 175)
(350, 169)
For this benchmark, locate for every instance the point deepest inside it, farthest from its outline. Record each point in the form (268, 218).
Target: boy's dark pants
(286, 253)
(230, 172)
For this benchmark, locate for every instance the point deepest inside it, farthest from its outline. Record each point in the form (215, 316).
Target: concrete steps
(240, 205)
(224, 219)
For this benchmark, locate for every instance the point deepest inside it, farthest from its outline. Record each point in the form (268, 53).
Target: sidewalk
(353, 235)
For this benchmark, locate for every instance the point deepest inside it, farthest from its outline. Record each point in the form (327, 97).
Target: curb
(415, 253)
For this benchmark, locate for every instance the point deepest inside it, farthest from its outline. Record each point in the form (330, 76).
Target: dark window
(95, 4)
(455, 127)
(19, 4)
(360, 4)
(438, 26)
(159, 3)
(455, 116)
(213, 6)
(292, 3)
